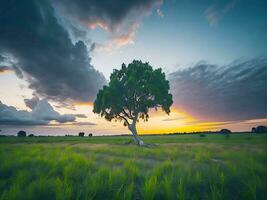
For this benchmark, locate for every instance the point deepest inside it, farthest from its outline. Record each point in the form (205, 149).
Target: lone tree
(131, 92)
(21, 134)
(81, 134)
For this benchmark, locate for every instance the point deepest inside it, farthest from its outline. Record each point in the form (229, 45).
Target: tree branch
(126, 114)
(124, 119)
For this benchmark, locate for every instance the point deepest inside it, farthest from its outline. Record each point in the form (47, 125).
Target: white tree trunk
(132, 128)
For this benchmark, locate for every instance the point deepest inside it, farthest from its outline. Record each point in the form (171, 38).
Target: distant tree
(225, 131)
(131, 92)
(31, 135)
(90, 135)
(253, 130)
(260, 129)
(81, 134)
(21, 134)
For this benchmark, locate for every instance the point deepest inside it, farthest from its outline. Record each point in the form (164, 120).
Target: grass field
(177, 167)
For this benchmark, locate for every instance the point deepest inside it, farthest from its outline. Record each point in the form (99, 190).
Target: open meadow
(175, 167)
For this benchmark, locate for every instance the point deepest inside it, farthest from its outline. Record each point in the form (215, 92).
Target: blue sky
(184, 36)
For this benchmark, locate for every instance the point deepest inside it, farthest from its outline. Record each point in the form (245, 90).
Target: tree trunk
(132, 128)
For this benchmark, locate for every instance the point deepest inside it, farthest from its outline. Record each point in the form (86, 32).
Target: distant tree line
(22, 133)
(258, 129)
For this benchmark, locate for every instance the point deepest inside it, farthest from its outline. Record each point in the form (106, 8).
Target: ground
(175, 167)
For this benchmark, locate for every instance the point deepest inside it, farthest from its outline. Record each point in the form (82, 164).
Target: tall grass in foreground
(224, 170)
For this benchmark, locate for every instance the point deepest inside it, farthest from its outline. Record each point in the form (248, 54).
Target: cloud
(119, 40)
(2, 58)
(173, 119)
(80, 115)
(9, 115)
(41, 114)
(106, 14)
(213, 14)
(124, 39)
(94, 25)
(43, 110)
(31, 103)
(4, 64)
(84, 124)
(119, 18)
(4, 69)
(160, 13)
(217, 93)
(55, 67)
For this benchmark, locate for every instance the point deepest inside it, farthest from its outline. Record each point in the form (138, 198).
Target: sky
(56, 55)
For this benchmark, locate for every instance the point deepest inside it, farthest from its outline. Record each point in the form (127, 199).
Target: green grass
(177, 167)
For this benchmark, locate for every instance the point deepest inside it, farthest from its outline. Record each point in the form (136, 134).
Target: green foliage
(132, 91)
(21, 134)
(150, 187)
(181, 189)
(105, 168)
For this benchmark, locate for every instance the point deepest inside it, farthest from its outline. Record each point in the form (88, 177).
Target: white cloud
(213, 14)
(42, 113)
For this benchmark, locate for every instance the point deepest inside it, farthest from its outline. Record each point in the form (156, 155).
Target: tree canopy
(131, 92)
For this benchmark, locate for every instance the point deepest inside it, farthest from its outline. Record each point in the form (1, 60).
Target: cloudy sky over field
(55, 55)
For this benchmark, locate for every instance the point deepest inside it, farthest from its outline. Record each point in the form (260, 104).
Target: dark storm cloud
(106, 13)
(54, 66)
(2, 58)
(31, 103)
(4, 64)
(119, 17)
(232, 92)
(42, 113)
(4, 68)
